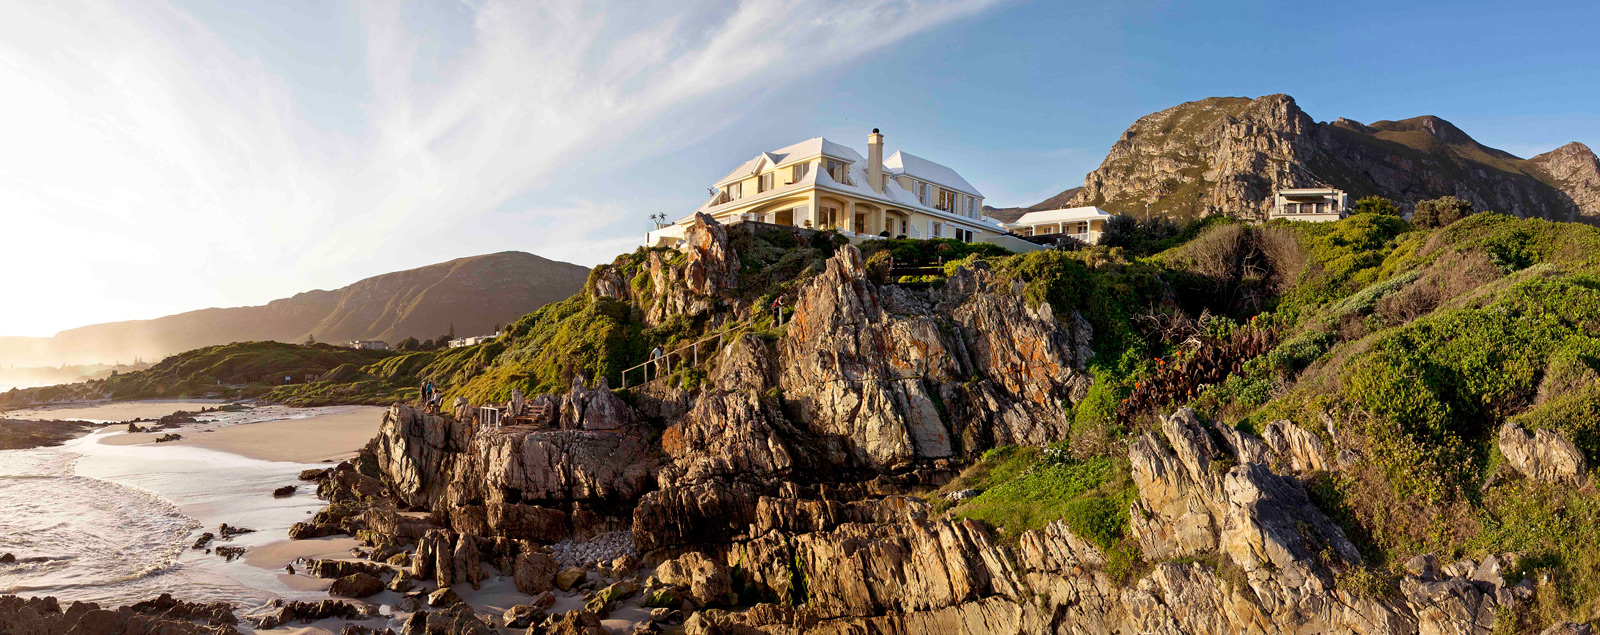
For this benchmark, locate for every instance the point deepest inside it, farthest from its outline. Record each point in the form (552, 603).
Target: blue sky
(167, 156)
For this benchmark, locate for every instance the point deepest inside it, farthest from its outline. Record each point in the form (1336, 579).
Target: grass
(1024, 488)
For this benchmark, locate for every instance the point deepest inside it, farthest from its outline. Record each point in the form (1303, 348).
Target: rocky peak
(1229, 155)
(1575, 169)
(696, 285)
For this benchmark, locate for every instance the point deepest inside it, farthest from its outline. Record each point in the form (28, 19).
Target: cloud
(160, 158)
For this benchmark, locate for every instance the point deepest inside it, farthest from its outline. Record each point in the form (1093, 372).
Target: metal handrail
(667, 358)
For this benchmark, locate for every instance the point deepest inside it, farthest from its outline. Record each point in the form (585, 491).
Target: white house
(1316, 204)
(1083, 223)
(820, 184)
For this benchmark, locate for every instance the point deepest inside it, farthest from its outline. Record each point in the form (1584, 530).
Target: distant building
(1083, 223)
(369, 345)
(1316, 204)
(820, 184)
(469, 341)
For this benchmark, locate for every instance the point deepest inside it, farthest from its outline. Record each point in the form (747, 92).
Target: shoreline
(319, 438)
(226, 475)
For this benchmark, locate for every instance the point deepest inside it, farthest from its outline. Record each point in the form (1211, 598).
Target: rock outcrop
(785, 487)
(1228, 155)
(1543, 455)
(161, 616)
(696, 287)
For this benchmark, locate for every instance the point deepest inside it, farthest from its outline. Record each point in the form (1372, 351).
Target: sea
(114, 524)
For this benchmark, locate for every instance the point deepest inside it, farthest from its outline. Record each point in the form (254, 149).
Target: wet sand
(112, 411)
(328, 437)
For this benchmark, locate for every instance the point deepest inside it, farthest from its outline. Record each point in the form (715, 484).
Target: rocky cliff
(1227, 155)
(791, 491)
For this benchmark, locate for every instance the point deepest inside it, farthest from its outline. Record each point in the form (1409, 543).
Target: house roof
(1066, 214)
(803, 150)
(903, 162)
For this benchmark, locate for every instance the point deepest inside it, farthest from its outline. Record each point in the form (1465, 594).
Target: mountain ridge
(473, 294)
(1229, 154)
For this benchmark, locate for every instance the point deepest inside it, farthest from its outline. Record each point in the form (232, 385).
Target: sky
(164, 156)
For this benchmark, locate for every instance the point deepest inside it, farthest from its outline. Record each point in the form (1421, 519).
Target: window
(799, 171)
(733, 192)
(827, 217)
(840, 171)
(972, 207)
(765, 182)
(947, 200)
(964, 235)
(935, 229)
(922, 192)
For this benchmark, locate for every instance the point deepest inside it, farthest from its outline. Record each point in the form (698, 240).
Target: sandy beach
(326, 437)
(112, 411)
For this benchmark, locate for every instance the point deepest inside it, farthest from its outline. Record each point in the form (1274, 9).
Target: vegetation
(243, 369)
(1376, 205)
(1440, 211)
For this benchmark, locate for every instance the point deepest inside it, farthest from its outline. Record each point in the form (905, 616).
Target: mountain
(474, 294)
(1229, 154)
(1011, 214)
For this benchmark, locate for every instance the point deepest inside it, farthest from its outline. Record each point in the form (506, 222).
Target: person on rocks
(777, 310)
(655, 356)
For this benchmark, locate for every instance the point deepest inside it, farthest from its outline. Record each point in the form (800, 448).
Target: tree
(1121, 230)
(409, 344)
(452, 331)
(1138, 236)
(1377, 205)
(1440, 211)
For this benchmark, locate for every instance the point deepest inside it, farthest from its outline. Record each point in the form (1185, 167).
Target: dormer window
(733, 191)
(947, 200)
(922, 192)
(839, 170)
(766, 181)
(799, 171)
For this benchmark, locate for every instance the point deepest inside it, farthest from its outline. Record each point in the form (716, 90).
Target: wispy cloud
(154, 161)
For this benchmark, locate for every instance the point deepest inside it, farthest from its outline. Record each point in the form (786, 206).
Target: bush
(1376, 205)
(1440, 211)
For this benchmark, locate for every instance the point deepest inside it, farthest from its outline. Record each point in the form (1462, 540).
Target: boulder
(569, 577)
(443, 597)
(356, 585)
(534, 572)
(1545, 455)
(523, 616)
(707, 581)
(575, 622)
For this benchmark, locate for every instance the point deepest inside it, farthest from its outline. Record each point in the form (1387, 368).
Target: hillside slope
(1228, 155)
(1350, 427)
(474, 294)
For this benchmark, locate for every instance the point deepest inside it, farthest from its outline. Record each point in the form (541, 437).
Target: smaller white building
(1315, 204)
(1083, 223)
(369, 345)
(474, 340)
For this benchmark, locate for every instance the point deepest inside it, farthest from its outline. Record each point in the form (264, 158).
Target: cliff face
(1228, 155)
(789, 475)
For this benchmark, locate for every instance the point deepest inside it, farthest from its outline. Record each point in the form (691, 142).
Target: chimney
(875, 161)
